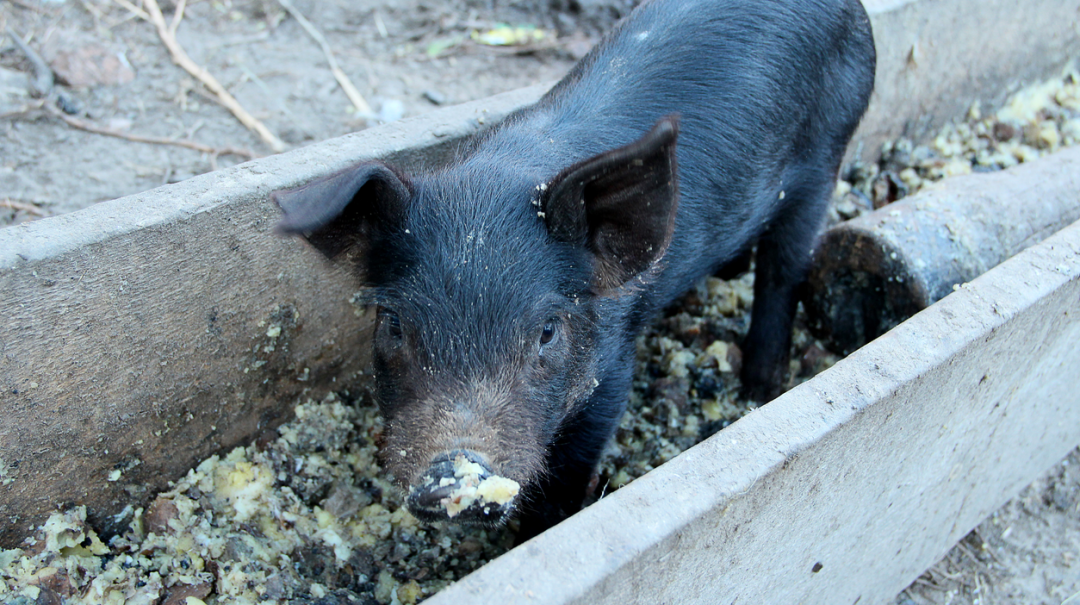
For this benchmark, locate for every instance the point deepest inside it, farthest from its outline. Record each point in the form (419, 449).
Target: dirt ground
(1026, 553)
(404, 57)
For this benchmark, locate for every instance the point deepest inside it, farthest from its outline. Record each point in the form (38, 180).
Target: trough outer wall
(142, 335)
(847, 487)
(135, 335)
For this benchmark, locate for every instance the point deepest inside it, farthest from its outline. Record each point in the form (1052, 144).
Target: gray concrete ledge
(847, 487)
(141, 335)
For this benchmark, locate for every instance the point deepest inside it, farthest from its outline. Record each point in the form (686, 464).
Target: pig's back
(761, 87)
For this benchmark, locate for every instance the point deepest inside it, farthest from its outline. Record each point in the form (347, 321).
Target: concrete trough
(141, 335)
(846, 488)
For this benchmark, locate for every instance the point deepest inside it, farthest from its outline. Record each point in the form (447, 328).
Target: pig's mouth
(460, 487)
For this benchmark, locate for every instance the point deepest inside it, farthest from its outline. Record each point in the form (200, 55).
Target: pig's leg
(783, 259)
(573, 458)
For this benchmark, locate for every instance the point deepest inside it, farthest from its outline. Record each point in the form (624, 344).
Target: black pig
(511, 283)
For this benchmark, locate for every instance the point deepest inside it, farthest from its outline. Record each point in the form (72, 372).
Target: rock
(92, 65)
(391, 111)
(178, 595)
(435, 97)
(159, 514)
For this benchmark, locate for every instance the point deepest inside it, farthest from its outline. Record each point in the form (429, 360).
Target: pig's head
(489, 283)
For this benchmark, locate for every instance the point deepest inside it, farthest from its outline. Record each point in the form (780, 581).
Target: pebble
(391, 110)
(435, 97)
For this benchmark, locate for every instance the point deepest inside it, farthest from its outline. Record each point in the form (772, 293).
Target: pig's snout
(461, 486)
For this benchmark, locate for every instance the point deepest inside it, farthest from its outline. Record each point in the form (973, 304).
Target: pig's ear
(336, 213)
(620, 205)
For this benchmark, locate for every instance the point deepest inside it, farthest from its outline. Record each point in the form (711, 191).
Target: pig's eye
(549, 333)
(390, 321)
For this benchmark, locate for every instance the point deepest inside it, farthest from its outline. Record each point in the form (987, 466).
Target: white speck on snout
(403, 453)
(782, 194)
(643, 35)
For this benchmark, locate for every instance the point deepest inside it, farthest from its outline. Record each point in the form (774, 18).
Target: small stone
(391, 111)
(435, 97)
(92, 65)
(157, 518)
(178, 595)
(1004, 132)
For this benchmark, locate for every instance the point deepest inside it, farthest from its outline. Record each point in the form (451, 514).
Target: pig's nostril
(430, 499)
(460, 485)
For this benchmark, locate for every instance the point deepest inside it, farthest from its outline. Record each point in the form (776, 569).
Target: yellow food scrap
(718, 350)
(510, 36)
(409, 593)
(499, 490)
(463, 467)
(471, 489)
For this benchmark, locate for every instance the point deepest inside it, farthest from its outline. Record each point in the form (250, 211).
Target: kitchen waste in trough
(304, 515)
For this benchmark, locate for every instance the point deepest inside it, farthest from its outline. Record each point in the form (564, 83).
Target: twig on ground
(24, 206)
(88, 127)
(967, 551)
(346, 85)
(167, 33)
(379, 25)
(178, 15)
(988, 549)
(94, 11)
(938, 570)
(24, 109)
(922, 582)
(28, 6)
(43, 81)
(133, 9)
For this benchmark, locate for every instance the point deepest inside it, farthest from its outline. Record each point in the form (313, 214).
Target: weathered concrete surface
(136, 319)
(142, 335)
(875, 271)
(846, 488)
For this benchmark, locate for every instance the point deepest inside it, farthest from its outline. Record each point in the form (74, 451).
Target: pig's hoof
(459, 486)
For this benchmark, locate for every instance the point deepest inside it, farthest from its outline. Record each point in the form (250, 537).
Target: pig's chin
(460, 487)
(487, 515)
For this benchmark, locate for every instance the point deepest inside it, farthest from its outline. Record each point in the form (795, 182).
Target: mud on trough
(687, 363)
